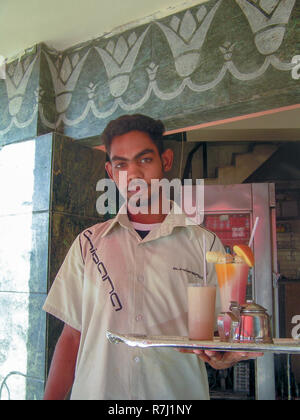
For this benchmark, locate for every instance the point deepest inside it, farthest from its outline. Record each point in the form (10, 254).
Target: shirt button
(140, 278)
(137, 359)
(139, 317)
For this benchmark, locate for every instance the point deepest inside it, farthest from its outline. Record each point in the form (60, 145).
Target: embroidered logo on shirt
(188, 271)
(115, 300)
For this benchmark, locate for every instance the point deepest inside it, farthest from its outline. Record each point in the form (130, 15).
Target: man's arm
(61, 374)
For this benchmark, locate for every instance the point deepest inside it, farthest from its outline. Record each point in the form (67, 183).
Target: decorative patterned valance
(217, 60)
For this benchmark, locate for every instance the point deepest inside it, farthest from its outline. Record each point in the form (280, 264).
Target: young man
(129, 275)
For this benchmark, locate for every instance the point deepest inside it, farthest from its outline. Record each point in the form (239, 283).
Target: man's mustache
(137, 185)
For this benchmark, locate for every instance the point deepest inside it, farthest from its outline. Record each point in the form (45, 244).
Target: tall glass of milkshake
(201, 311)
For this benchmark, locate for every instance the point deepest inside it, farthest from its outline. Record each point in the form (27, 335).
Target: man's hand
(222, 360)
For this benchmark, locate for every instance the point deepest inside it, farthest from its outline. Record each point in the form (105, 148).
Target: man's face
(135, 153)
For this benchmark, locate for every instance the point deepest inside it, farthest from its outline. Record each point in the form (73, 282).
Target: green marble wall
(48, 195)
(220, 59)
(25, 170)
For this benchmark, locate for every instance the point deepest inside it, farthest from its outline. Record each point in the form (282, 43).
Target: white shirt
(113, 280)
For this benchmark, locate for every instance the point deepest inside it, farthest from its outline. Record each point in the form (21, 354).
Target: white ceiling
(64, 23)
(274, 125)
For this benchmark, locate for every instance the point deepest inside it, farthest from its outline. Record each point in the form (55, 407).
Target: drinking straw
(204, 261)
(253, 232)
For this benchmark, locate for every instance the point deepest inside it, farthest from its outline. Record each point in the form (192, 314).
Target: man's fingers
(182, 350)
(221, 360)
(201, 354)
(214, 355)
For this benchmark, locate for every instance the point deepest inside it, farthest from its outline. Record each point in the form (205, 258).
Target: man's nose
(134, 172)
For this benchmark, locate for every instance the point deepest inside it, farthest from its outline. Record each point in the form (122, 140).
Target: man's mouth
(137, 187)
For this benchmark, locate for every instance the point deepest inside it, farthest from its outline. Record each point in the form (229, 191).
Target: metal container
(249, 323)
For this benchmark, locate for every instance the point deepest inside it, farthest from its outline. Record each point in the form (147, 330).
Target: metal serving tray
(280, 345)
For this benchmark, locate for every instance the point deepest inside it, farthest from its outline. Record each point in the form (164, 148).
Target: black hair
(136, 122)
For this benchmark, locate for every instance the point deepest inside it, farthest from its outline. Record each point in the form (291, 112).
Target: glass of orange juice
(232, 280)
(232, 273)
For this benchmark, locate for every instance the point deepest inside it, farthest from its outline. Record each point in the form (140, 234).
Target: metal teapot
(247, 323)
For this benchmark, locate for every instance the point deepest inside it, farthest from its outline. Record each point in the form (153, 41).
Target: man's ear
(108, 168)
(167, 159)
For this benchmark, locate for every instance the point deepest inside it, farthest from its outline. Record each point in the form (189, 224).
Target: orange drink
(232, 280)
(232, 272)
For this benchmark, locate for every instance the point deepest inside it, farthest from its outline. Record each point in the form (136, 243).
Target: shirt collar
(175, 218)
(121, 219)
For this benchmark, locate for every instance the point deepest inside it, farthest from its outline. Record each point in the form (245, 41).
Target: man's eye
(119, 165)
(146, 160)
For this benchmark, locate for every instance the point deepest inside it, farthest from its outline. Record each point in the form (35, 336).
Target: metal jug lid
(251, 306)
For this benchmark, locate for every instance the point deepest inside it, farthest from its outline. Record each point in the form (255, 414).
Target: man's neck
(146, 218)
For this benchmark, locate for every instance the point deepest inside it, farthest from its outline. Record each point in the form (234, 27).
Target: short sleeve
(64, 300)
(217, 245)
